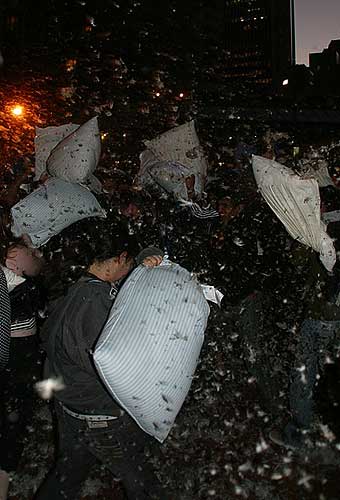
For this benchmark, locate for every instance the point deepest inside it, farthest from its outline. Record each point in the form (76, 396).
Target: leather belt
(90, 418)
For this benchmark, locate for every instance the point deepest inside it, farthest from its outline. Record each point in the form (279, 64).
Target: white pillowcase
(168, 175)
(52, 207)
(70, 152)
(148, 350)
(296, 202)
(182, 144)
(76, 157)
(45, 140)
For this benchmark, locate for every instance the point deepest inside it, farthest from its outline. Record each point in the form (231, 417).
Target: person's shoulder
(89, 284)
(87, 290)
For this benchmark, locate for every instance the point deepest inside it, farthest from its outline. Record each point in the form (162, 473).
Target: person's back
(69, 331)
(91, 424)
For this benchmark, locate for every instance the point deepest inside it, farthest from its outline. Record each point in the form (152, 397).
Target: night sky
(317, 23)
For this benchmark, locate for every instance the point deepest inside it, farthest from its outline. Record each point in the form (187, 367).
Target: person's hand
(152, 261)
(43, 177)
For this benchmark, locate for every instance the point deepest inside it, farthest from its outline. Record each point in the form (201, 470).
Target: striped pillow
(148, 350)
(51, 208)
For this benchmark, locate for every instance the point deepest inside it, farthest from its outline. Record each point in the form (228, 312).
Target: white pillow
(148, 350)
(52, 207)
(45, 140)
(168, 175)
(181, 144)
(296, 202)
(76, 157)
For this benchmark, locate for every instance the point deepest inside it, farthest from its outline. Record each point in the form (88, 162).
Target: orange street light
(17, 110)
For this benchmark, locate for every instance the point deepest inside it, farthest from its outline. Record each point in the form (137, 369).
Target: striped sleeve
(203, 213)
(5, 321)
(198, 211)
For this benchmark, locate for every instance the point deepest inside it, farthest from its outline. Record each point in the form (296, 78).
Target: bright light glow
(285, 82)
(17, 110)
(70, 64)
(181, 95)
(158, 94)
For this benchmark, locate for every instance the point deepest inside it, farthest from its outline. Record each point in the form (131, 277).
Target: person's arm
(331, 312)
(321, 309)
(5, 321)
(11, 194)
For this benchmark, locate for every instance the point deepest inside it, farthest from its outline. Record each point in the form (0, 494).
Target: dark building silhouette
(201, 44)
(260, 40)
(325, 67)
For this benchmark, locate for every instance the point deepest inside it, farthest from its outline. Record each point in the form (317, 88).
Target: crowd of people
(58, 298)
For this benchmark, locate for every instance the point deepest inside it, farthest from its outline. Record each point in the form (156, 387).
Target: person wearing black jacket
(92, 426)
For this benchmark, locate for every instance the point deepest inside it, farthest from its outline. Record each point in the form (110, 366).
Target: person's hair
(70, 253)
(127, 197)
(6, 237)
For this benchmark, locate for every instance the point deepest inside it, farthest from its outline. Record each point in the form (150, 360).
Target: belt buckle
(98, 424)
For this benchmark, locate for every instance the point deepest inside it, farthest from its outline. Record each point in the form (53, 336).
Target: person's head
(111, 251)
(112, 269)
(130, 204)
(228, 209)
(94, 245)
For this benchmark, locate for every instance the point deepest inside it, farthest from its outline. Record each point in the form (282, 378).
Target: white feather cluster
(47, 387)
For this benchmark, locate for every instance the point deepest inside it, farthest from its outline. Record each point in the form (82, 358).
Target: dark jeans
(18, 398)
(317, 340)
(119, 445)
